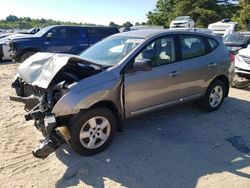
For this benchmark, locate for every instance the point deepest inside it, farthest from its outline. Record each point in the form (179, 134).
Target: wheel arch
(225, 80)
(113, 108)
(29, 50)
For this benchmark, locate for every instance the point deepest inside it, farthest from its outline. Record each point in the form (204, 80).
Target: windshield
(42, 31)
(111, 50)
(235, 38)
(182, 18)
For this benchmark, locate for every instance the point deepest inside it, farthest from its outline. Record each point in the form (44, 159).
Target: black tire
(78, 121)
(26, 55)
(240, 83)
(206, 101)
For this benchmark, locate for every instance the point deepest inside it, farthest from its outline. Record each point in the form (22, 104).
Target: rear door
(96, 34)
(199, 64)
(76, 40)
(148, 90)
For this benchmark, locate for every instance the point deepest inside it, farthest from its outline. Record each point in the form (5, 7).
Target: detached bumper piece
(55, 135)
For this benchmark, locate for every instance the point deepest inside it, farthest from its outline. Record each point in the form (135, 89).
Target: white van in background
(224, 27)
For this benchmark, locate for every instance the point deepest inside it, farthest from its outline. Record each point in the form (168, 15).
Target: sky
(85, 11)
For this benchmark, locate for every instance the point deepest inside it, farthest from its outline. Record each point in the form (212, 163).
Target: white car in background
(4, 45)
(182, 22)
(224, 27)
(242, 69)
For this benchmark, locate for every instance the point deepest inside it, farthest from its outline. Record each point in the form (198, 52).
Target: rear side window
(192, 46)
(212, 44)
(101, 31)
(74, 32)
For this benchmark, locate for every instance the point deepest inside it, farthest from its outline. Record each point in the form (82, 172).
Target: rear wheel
(214, 96)
(92, 131)
(26, 55)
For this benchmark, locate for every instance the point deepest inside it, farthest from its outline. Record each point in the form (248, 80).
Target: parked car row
(57, 39)
(82, 100)
(236, 41)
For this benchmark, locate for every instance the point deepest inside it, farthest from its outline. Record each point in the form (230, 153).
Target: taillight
(232, 57)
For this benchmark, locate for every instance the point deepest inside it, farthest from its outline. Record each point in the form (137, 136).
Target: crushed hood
(245, 52)
(40, 69)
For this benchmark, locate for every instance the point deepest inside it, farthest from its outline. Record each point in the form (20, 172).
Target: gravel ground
(182, 146)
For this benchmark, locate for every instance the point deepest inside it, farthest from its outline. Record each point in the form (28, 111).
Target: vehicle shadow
(7, 62)
(177, 147)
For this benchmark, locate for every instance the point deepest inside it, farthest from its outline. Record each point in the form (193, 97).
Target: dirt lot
(178, 147)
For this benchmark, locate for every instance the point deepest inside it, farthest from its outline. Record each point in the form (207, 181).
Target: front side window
(160, 52)
(192, 46)
(58, 33)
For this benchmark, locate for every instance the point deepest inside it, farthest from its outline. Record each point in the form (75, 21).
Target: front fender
(75, 100)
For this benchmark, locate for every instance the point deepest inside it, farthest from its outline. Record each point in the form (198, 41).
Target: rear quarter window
(213, 44)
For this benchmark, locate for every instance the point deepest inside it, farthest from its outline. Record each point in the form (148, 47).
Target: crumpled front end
(40, 83)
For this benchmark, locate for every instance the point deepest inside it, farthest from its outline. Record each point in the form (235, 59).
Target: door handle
(174, 73)
(212, 65)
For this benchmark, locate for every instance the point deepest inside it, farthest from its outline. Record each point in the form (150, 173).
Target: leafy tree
(137, 23)
(127, 24)
(163, 13)
(202, 11)
(11, 18)
(243, 15)
(112, 24)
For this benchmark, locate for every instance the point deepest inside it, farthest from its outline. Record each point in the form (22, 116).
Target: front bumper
(242, 71)
(14, 55)
(184, 25)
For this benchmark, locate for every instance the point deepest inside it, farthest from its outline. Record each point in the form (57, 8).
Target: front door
(147, 90)
(55, 40)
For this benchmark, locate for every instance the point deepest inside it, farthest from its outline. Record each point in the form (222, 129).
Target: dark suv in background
(58, 39)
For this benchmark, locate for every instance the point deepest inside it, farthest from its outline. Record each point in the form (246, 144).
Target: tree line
(203, 12)
(14, 22)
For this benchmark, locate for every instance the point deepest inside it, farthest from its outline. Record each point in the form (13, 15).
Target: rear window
(192, 46)
(236, 38)
(74, 32)
(103, 32)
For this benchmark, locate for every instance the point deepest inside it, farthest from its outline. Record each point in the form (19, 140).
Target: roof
(152, 32)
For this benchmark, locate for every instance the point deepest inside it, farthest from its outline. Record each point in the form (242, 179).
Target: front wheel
(92, 131)
(26, 55)
(214, 96)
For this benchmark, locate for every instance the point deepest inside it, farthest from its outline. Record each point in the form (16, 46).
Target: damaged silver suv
(83, 100)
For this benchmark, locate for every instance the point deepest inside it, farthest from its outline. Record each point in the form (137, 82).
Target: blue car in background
(58, 39)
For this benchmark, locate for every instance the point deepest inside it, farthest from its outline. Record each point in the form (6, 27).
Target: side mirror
(49, 36)
(142, 65)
